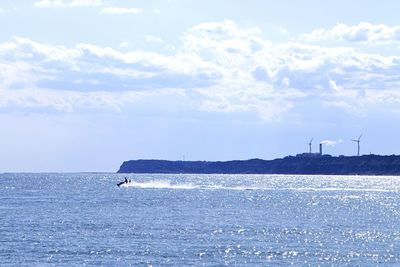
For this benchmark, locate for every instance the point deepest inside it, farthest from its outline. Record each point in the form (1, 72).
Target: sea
(85, 219)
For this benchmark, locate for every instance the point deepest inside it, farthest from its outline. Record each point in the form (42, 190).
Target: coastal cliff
(362, 165)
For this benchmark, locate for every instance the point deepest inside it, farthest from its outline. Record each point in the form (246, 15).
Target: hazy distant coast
(342, 165)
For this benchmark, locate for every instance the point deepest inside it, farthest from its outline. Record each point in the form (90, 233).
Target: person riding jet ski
(126, 181)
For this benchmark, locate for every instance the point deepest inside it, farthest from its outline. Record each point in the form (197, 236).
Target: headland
(301, 164)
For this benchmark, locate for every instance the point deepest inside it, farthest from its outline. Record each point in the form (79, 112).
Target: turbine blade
(360, 136)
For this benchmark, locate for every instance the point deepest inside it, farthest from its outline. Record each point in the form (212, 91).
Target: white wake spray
(159, 185)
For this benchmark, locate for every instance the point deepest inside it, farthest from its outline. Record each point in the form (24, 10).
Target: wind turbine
(310, 144)
(358, 144)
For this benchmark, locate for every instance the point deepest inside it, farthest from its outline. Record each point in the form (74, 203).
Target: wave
(169, 185)
(158, 184)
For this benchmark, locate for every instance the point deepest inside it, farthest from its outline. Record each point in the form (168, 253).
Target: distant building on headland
(311, 155)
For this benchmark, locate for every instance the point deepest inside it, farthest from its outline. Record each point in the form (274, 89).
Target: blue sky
(85, 85)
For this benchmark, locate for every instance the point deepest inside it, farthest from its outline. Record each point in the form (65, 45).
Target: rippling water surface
(202, 220)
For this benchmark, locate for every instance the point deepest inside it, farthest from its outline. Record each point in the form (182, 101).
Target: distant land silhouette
(306, 163)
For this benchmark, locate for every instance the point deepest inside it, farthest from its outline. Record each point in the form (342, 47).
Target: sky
(88, 84)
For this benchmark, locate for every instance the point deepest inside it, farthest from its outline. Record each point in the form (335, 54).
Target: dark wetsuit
(124, 182)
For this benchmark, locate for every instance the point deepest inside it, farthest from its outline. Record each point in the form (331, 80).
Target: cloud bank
(220, 68)
(363, 32)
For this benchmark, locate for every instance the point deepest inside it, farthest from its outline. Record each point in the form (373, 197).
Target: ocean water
(199, 220)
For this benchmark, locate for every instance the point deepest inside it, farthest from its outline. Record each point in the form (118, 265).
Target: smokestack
(320, 149)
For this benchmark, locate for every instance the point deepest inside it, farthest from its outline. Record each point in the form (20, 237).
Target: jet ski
(126, 181)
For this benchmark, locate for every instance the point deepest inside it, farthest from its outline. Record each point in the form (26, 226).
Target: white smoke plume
(332, 143)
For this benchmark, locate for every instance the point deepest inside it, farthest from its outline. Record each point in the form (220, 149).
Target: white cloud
(65, 101)
(220, 67)
(154, 39)
(121, 10)
(363, 32)
(332, 143)
(124, 44)
(67, 3)
(224, 37)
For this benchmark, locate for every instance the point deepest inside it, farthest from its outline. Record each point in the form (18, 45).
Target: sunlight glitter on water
(257, 220)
